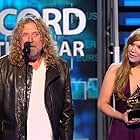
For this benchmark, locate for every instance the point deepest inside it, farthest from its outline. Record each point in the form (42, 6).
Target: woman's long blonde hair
(49, 50)
(122, 75)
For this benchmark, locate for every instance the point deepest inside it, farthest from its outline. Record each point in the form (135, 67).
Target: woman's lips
(132, 55)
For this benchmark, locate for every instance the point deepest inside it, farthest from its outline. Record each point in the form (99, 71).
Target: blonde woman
(122, 80)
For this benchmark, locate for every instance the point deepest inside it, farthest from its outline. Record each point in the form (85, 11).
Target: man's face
(31, 34)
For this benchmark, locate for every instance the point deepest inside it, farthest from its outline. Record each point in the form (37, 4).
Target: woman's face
(134, 52)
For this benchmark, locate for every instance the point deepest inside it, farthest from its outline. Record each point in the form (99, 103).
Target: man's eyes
(34, 34)
(138, 46)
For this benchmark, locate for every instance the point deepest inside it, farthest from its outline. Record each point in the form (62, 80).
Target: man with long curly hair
(35, 95)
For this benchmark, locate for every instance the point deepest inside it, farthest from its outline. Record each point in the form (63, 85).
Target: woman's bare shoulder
(114, 66)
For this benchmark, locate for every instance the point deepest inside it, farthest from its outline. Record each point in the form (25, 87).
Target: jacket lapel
(52, 74)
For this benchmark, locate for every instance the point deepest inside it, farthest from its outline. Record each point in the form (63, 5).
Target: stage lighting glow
(131, 2)
(132, 21)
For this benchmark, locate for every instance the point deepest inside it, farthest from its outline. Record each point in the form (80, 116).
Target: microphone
(26, 49)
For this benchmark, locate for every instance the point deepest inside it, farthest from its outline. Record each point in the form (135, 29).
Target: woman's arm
(106, 92)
